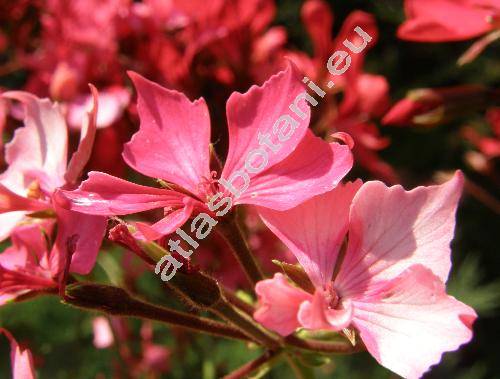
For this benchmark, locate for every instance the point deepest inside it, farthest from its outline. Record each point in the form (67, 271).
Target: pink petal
(8, 221)
(112, 103)
(4, 111)
(316, 314)
(279, 303)
(103, 335)
(173, 140)
(10, 201)
(444, 20)
(315, 167)
(314, 230)
(21, 359)
(256, 112)
(106, 195)
(42, 143)
(87, 135)
(28, 246)
(166, 225)
(90, 231)
(407, 323)
(392, 229)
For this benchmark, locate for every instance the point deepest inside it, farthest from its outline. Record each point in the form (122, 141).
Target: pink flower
(273, 160)
(37, 166)
(387, 283)
(21, 359)
(27, 265)
(448, 20)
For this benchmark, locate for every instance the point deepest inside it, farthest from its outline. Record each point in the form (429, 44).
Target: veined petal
(392, 229)
(112, 102)
(90, 231)
(10, 202)
(43, 142)
(106, 195)
(314, 230)
(407, 323)
(174, 136)
(87, 135)
(257, 112)
(279, 303)
(315, 167)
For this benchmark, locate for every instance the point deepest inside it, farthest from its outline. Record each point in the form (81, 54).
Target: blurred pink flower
(21, 359)
(387, 283)
(103, 335)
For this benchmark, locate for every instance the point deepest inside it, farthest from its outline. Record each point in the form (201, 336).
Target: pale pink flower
(103, 335)
(21, 359)
(388, 283)
(37, 166)
(173, 144)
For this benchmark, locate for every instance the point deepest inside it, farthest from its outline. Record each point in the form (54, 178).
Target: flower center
(332, 296)
(209, 185)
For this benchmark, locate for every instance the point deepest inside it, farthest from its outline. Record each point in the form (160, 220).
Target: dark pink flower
(387, 283)
(273, 159)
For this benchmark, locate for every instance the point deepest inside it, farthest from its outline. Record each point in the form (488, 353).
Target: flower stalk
(231, 231)
(116, 301)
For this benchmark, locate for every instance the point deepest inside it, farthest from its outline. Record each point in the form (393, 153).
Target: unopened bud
(433, 106)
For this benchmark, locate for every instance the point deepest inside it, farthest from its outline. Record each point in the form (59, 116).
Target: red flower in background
(452, 20)
(448, 20)
(365, 96)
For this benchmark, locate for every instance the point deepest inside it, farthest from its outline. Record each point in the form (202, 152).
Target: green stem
(323, 346)
(233, 235)
(246, 324)
(202, 291)
(237, 302)
(116, 301)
